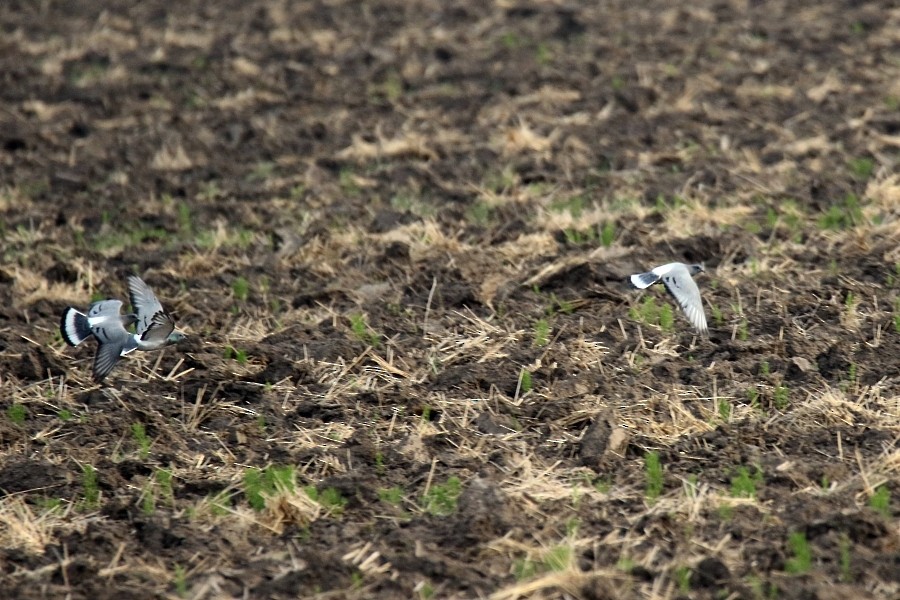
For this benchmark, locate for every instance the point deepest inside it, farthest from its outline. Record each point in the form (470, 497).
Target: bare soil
(398, 234)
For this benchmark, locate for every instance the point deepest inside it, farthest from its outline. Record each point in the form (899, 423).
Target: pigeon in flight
(678, 281)
(153, 327)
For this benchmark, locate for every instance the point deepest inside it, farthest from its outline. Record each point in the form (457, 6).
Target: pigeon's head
(698, 268)
(175, 337)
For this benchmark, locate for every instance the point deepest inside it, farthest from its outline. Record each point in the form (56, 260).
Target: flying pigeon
(678, 281)
(153, 327)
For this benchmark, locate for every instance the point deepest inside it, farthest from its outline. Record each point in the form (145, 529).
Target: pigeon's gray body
(153, 327)
(677, 277)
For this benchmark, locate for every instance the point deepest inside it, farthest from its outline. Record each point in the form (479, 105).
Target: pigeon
(678, 281)
(154, 328)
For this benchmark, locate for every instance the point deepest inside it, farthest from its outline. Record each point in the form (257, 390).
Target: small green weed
(541, 333)
(329, 498)
(180, 581)
(683, 579)
(666, 317)
(654, 476)
(440, 499)
(608, 234)
(525, 382)
(233, 353)
(17, 413)
(842, 216)
(362, 331)
(143, 441)
(802, 554)
(743, 485)
(392, 495)
(861, 168)
(240, 287)
(844, 559)
(880, 501)
(781, 397)
(267, 482)
(724, 409)
(91, 487)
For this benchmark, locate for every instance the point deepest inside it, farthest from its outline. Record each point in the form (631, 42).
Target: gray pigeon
(153, 327)
(678, 281)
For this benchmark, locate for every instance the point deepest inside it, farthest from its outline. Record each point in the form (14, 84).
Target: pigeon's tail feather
(644, 280)
(74, 327)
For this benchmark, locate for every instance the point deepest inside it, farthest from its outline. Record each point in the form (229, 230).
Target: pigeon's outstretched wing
(74, 326)
(644, 280)
(161, 325)
(144, 302)
(681, 285)
(108, 326)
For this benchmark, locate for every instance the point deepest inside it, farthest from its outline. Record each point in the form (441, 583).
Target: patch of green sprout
(441, 499)
(801, 561)
(753, 397)
(185, 223)
(500, 181)
(362, 331)
(143, 441)
(525, 382)
(148, 499)
(743, 484)
(240, 287)
(210, 190)
(760, 590)
(380, 468)
(544, 54)
(392, 495)
(90, 487)
(617, 83)
(261, 171)
(267, 482)
(348, 183)
(625, 564)
(65, 415)
(743, 332)
(480, 213)
(426, 414)
(574, 206)
(897, 315)
(17, 413)
(558, 558)
(163, 478)
(577, 237)
(510, 41)
(861, 168)
(781, 397)
(880, 501)
(724, 408)
(233, 353)
(180, 581)
(253, 488)
(524, 569)
(425, 591)
(683, 579)
(330, 498)
(842, 216)
(563, 306)
(653, 474)
(844, 558)
(764, 368)
(716, 315)
(541, 333)
(666, 317)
